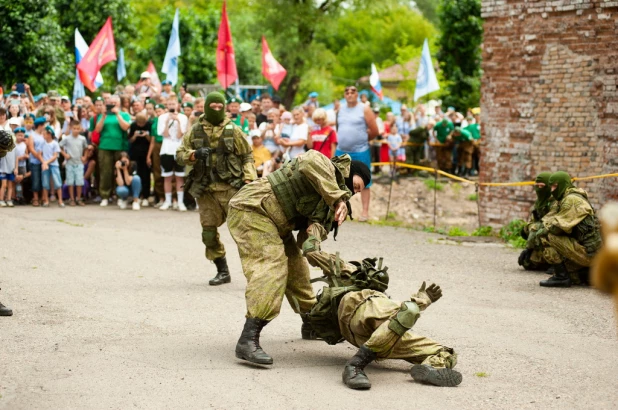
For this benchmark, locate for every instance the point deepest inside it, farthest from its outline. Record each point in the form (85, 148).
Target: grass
(473, 197)
(432, 185)
(457, 231)
(481, 374)
(431, 229)
(483, 231)
(69, 223)
(510, 233)
(387, 222)
(456, 189)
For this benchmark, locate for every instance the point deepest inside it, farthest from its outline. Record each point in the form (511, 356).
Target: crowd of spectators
(122, 146)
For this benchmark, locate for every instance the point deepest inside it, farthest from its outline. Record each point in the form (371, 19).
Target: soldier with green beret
(308, 194)
(222, 163)
(444, 152)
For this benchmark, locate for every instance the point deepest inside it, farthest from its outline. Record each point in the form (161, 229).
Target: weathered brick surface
(549, 99)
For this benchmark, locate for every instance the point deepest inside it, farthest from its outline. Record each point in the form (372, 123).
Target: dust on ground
(412, 202)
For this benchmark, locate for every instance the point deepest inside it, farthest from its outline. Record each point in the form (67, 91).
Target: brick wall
(549, 100)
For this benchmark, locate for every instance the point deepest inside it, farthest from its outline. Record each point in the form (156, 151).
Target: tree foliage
(429, 10)
(460, 51)
(32, 49)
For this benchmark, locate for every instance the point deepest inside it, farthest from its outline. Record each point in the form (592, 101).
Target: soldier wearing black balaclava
(222, 163)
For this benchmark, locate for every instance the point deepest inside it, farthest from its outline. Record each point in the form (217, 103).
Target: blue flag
(170, 63)
(426, 81)
(121, 70)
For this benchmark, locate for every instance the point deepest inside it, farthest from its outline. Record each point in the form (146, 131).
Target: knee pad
(407, 316)
(209, 236)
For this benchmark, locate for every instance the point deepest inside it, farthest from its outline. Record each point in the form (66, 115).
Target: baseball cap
(145, 74)
(65, 98)
(15, 121)
(53, 94)
(244, 107)
(14, 94)
(476, 110)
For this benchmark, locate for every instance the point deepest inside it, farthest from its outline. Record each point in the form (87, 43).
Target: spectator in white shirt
(298, 139)
(172, 126)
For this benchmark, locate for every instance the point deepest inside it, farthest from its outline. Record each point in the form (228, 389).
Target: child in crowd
(35, 143)
(253, 128)
(29, 124)
(395, 150)
(8, 171)
(90, 165)
(126, 177)
(261, 154)
(73, 147)
(50, 167)
(21, 151)
(324, 138)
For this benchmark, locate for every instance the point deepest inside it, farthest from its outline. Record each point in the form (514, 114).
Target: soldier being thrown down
(353, 307)
(309, 194)
(222, 163)
(570, 235)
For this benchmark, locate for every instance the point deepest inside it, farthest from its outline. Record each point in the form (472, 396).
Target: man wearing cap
(167, 88)
(356, 127)
(144, 86)
(54, 101)
(243, 121)
(35, 143)
(310, 194)
(222, 163)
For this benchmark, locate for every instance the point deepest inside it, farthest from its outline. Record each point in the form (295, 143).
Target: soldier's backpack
(323, 316)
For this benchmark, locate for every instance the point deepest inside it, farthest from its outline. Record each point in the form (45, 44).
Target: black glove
(433, 291)
(535, 215)
(524, 257)
(203, 154)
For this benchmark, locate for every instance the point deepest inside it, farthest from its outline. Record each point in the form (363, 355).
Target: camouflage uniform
(7, 142)
(414, 153)
(272, 261)
(211, 184)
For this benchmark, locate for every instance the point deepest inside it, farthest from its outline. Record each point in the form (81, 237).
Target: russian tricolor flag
(374, 81)
(81, 48)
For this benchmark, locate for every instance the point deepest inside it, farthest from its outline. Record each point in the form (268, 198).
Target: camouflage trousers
(464, 154)
(364, 318)
(559, 248)
(272, 263)
(444, 156)
(414, 154)
(213, 213)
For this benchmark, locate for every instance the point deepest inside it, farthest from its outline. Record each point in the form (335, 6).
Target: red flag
(226, 62)
(101, 51)
(271, 69)
(154, 77)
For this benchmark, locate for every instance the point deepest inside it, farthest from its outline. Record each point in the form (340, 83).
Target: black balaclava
(542, 194)
(563, 180)
(213, 116)
(360, 169)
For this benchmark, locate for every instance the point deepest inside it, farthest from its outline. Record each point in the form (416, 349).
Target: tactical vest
(297, 196)
(228, 165)
(588, 232)
(324, 316)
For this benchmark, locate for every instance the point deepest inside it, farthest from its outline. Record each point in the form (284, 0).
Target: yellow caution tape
(467, 181)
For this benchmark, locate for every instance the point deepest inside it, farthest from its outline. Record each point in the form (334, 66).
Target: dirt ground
(113, 311)
(412, 202)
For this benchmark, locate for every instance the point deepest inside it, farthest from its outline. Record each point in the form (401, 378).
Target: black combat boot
(223, 273)
(560, 279)
(248, 346)
(306, 330)
(442, 377)
(353, 374)
(5, 311)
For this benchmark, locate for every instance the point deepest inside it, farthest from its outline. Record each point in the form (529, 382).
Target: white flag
(170, 63)
(426, 81)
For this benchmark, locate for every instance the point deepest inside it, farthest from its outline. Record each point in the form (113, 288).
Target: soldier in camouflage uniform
(418, 137)
(530, 258)
(308, 194)
(7, 144)
(570, 235)
(222, 163)
(380, 327)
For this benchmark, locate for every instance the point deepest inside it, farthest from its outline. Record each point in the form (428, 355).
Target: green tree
(32, 49)
(428, 9)
(460, 52)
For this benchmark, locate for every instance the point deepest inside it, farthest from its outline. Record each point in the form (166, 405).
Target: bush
(473, 197)
(483, 231)
(511, 233)
(433, 185)
(431, 229)
(457, 231)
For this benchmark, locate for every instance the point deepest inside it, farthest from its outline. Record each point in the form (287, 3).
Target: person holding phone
(112, 125)
(172, 126)
(139, 138)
